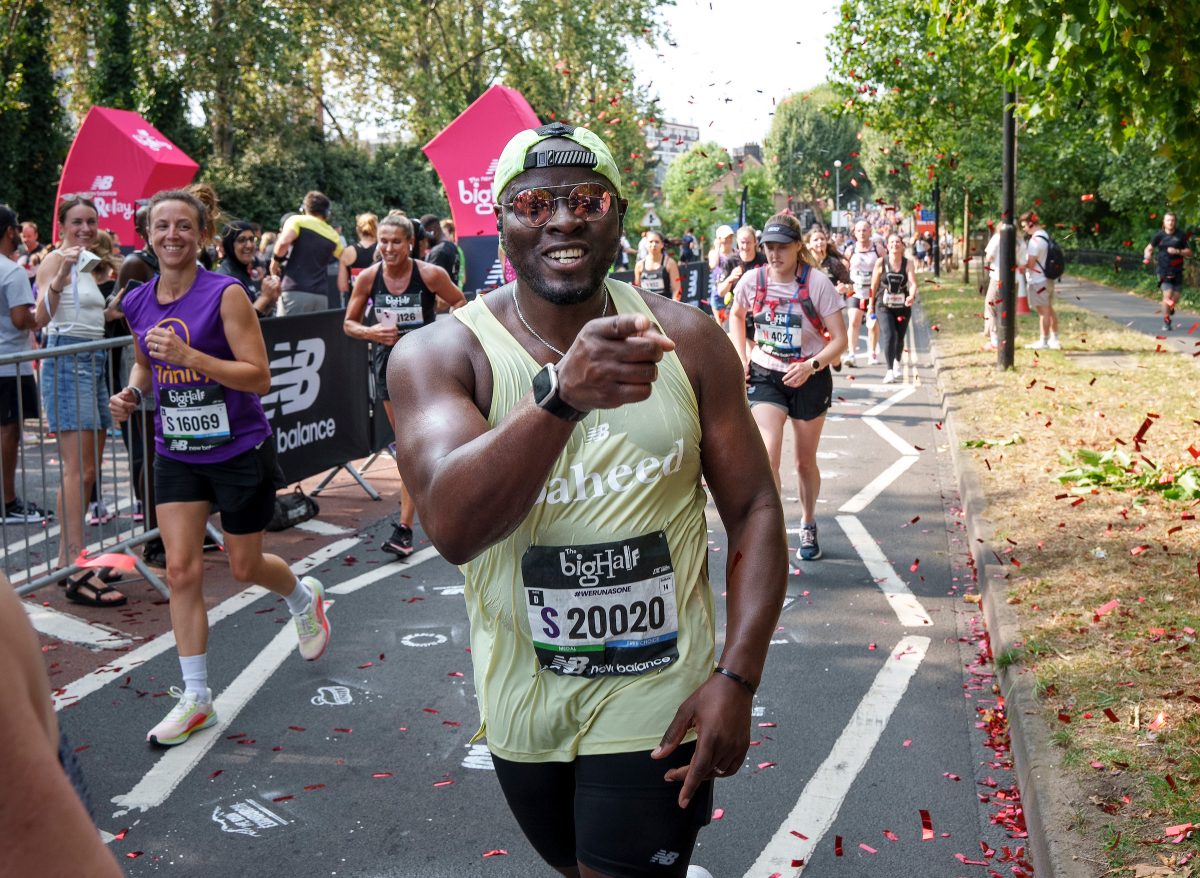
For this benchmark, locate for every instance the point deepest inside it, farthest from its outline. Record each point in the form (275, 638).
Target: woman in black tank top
(657, 273)
(893, 291)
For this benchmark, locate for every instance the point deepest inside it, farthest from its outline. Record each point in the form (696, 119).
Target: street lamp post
(837, 195)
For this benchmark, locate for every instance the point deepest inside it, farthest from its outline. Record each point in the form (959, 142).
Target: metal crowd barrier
(31, 548)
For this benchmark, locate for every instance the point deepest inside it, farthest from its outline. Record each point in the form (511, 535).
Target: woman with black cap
(239, 243)
(799, 332)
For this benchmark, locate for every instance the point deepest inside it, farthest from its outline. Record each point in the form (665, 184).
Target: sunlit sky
(732, 60)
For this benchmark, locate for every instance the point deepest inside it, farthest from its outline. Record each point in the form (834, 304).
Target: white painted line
(324, 528)
(76, 690)
(825, 791)
(907, 607)
(172, 767)
(383, 572)
(889, 435)
(64, 626)
(863, 498)
(899, 395)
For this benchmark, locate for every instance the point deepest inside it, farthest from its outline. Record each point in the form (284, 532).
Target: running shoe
(23, 511)
(695, 871)
(810, 549)
(187, 716)
(313, 625)
(1166, 324)
(1039, 345)
(1053, 343)
(400, 543)
(873, 360)
(99, 514)
(850, 359)
(889, 377)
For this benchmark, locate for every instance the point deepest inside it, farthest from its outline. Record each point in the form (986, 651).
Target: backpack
(806, 303)
(1056, 260)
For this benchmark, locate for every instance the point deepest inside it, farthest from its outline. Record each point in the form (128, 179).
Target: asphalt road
(872, 749)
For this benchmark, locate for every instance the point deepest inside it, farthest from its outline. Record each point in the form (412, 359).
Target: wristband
(737, 678)
(137, 394)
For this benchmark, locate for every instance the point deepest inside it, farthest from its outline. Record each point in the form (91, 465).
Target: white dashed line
(904, 603)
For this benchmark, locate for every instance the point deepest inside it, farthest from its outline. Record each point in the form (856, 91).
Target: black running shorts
(612, 813)
(804, 403)
(243, 488)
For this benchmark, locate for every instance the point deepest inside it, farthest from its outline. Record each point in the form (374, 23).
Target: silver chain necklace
(533, 331)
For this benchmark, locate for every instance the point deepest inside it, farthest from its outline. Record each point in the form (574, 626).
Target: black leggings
(893, 324)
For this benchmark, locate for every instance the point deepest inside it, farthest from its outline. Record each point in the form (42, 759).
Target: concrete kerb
(1049, 799)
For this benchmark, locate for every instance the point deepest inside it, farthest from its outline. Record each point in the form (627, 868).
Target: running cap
(778, 233)
(724, 232)
(520, 155)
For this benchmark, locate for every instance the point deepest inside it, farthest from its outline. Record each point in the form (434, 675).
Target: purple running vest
(197, 420)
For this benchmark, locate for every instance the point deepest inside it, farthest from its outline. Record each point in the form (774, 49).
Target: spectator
(452, 236)
(239, 243)
(687, 247)
(442, 253)
(359, 255)
(75, 386)
(624, 251)
(18, 391)
(32, 251)
(1172, 248)
(1039, 288)
(304, 247)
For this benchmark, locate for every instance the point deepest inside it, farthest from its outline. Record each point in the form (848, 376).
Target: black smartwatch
(816, 367)
(545, 394)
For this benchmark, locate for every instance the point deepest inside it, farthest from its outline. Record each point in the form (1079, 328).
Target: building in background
(668, 141)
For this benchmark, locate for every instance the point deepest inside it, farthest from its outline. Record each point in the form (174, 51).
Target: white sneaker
(698, 872)
(889, 377)
(850, 358)
(873, 360)
(312, 626)
(190, 714)
(1039, 345)
(1053, 344)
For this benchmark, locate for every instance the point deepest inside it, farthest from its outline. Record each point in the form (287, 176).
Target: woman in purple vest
(200, 351)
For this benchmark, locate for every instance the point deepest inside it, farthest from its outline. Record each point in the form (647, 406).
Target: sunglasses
(534, 207)
(246, 239)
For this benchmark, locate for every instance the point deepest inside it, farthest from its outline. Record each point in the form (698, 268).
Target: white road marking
(64, 626)
(888, 435)
(172, 767)
(825, 791)
(383, 572)
(904, 603)
(76, 690)
(324, 528)
(899, 395)
(863, 498)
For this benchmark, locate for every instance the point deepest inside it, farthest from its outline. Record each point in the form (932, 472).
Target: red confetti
(915, 564)
(282, 798)
(382, 774)
(133, 855)
(215, 773)
(1105, 609)
(1137, 550)
(443, 783)
(120, 836)
(962, 858)
(837, 845)
(296, 728)
(926, 826)
(800, 835)
(367, 665)
(344, 731)
(1159, 722)
(313, 786)
(428, 710)
(762, 765)
(890, 836)
(1111, 714)
(718, 813)
(866, 847)
(498, 852)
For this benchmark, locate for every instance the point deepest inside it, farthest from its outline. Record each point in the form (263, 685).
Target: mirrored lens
(588, 201)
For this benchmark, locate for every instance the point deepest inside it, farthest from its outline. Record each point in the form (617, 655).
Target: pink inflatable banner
(116, 159)
(464, 155)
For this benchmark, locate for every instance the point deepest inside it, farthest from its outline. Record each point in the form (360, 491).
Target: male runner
(560, 430)
(1172, 248)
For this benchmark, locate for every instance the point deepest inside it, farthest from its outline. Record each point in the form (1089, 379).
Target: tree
(807, 135)
(760, 197)
(33, 141)
(113, 82)
(688, 203)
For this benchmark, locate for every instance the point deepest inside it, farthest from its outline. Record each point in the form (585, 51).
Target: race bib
(780, 334)
(401, 318)
(862, 282)
(893, 300)
(194, 418)
(606, 609)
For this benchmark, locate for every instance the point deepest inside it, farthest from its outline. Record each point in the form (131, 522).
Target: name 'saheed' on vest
(582, 485)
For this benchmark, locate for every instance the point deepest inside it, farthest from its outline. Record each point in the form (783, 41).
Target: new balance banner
(318, 402)
(693, 275)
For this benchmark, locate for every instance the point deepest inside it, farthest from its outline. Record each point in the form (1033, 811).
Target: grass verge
(1104, 572)
(1134, 280)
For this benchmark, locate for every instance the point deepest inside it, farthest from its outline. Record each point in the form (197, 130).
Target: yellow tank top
(593, 621)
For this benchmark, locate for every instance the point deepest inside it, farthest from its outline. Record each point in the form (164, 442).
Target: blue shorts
(75, 388)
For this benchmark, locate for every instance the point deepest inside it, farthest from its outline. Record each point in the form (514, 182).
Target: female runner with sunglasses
(200, 351)
(658, 272)
(789, 376)
(405, 294)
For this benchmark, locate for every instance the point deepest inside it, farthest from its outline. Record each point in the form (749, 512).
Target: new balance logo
(597, 433)
(665, 858)
(102, 184)
(295, 376)
(573, 665)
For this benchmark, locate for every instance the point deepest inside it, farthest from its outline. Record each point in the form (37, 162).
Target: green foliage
(1117, 470)
(760, 197)
(807, 135)
(113, 81)
(33, 141)
(685, 189)
(270, 180)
